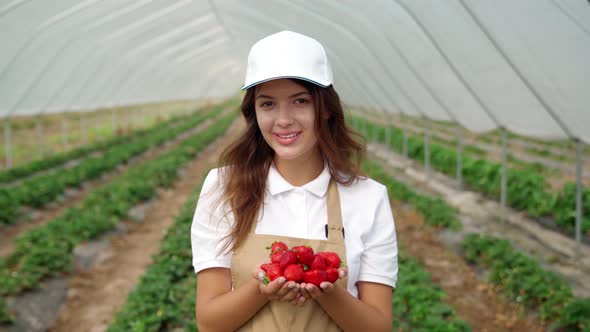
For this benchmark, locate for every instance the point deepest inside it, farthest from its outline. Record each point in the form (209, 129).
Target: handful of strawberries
(301, 264)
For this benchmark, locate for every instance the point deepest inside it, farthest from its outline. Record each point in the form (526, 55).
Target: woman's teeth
(288, 136)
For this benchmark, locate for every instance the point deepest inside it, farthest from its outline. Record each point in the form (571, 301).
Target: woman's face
(286, 117)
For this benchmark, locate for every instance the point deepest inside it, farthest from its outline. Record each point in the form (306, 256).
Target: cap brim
(322, 83)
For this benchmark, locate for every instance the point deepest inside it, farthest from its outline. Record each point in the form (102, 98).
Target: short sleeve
(379, 257)
(210, 225)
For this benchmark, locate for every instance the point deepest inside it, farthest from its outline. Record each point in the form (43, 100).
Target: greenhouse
(474, 114)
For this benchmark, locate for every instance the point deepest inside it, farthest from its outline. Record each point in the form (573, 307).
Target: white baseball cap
(288, 54)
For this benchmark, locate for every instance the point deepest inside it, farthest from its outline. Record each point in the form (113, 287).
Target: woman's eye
(301, 101)
(266, 104)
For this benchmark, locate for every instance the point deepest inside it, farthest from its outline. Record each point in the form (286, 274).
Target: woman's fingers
(272, 287)
(285, 291)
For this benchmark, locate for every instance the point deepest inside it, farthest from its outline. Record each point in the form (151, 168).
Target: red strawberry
(274, 271)
(265, 266)
(287, 258)
(332, 274)
(315, 277)
(305, 254)
(318, 263)
(293, 272)
(276, 257)
(331, 258)
(277, 246)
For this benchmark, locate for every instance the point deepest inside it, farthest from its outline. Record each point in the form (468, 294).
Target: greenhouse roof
(521, 65)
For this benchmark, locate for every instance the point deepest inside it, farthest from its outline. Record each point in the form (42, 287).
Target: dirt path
(94, 296)
(75, 196)
(475, 301)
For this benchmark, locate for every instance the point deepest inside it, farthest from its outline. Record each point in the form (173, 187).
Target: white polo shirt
(370, 239)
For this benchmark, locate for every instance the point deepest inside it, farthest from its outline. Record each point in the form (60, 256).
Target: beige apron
(284, 316)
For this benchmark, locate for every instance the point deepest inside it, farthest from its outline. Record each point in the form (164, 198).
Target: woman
(293, 176)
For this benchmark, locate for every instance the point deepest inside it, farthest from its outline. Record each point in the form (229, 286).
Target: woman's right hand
(279, 289)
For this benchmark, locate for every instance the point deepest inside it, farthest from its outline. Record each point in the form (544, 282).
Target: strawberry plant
(165, 294)
(46, 250)
(418, 304)
(527, 189)
(525, 281)
(43, 189)
(61, 158)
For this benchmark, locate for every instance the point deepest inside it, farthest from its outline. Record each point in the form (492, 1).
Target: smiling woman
(286, 117)
(293, 176)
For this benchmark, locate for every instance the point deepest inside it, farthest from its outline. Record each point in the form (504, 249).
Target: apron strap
(335, 231)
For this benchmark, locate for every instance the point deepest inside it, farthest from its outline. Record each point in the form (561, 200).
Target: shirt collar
(277, 184)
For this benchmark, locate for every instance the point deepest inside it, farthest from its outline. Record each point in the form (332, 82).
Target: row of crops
(527, 190)
(46, 251)
(520, 278)
(38, 191)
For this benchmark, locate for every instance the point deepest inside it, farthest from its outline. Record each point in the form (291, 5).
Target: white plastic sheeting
(523, 65)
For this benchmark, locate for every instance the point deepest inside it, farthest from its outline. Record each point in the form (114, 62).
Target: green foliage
(564, 207)
(5, 316)
(527, 189)
(436, 211)
(525, 281)
(165, 295)
(418, 304)
(46, 251)
(575, 316)
(43, 189)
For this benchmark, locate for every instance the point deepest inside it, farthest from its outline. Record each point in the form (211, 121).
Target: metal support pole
(114, 121)
(83, 128)
(64, 131)
(8, 142)
(459, 159)
(375, 132)
(427, 149)
(504, 173)
(405, 143)
(39, 124)
(579, 155)
(137, 125)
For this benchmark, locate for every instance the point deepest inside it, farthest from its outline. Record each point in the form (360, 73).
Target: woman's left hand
(311, 291)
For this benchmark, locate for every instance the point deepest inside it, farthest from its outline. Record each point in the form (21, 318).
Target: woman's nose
(284, 116)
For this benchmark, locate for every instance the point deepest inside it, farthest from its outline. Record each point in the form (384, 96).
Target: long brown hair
(245, 163)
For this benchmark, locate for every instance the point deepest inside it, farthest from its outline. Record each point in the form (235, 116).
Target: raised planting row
(526, 282)
(563, 150)
(35, 166)
(165, 294)
(47, 250)
(526, 189)
(418, 304)
(436, 211)
(479, 152)
(43, 189)
(521, 277)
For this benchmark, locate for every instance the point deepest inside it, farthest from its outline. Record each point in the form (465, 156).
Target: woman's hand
(278, 289)
(311, 291)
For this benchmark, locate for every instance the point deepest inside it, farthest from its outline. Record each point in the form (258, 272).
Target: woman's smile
(287, 138)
